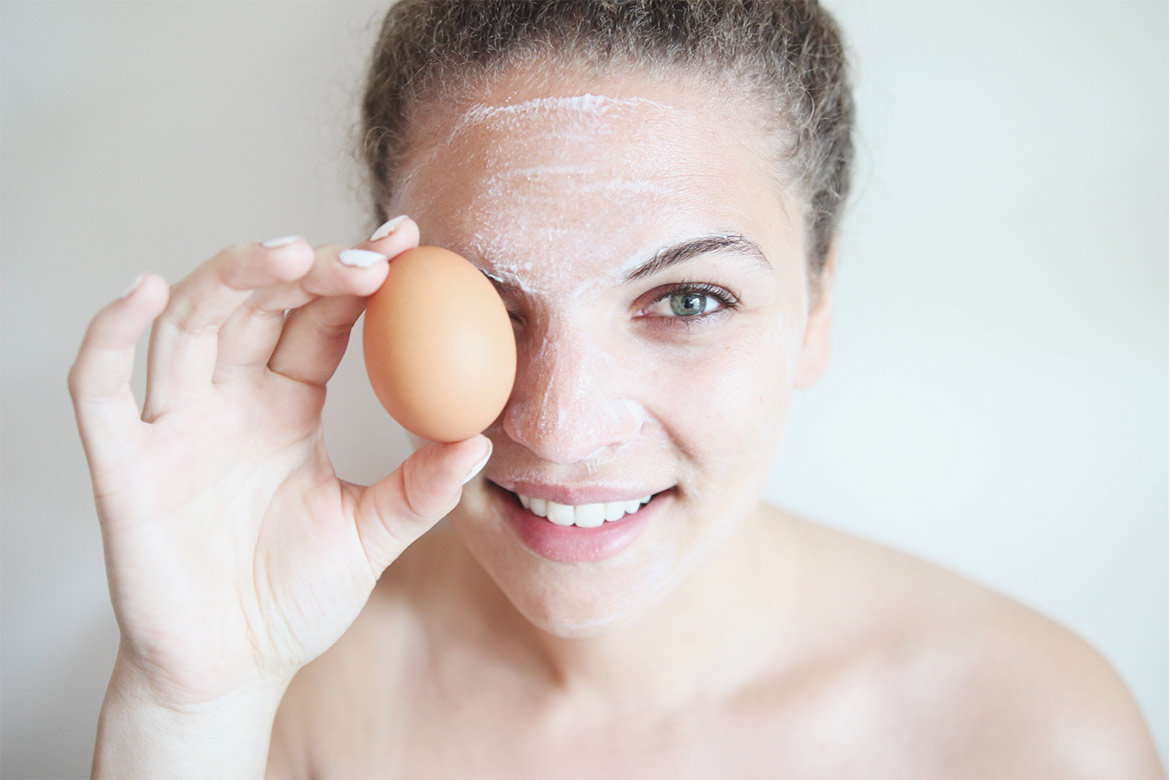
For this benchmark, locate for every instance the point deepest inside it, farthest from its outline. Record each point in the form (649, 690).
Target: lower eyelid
(689, 324)
(670, 323)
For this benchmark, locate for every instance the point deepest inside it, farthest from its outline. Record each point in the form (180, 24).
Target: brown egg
(439, 346)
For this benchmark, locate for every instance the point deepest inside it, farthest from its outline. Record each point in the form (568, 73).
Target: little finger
(185, 339)
(99, 380)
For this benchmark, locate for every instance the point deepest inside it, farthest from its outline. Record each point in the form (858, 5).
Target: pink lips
(570, 544)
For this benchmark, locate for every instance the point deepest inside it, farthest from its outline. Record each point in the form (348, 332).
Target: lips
(573, 542)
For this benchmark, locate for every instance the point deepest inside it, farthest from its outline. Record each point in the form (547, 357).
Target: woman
(654, 188)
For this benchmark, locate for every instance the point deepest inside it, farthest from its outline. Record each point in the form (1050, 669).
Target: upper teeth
(583, 515)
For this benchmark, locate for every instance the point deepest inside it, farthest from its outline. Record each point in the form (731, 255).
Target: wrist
(141, 733)
(135, 682)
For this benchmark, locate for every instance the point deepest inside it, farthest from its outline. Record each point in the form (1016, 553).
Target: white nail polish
(134, 285)
(478, 467)
(274, 243)
(360, 258)
(388, 227)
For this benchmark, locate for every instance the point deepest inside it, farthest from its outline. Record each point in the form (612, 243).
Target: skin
(273, 614)
(731, 639)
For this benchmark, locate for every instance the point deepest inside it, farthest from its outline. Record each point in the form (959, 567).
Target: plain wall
(997, 400)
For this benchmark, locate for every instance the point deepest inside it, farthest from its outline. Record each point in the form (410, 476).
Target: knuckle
(235, 252)
(178, 321)
(261, 308)
(396, 527)
(289, 267)
(222, 263)
(421, 500)
(325, 258)
(326, 328)
(225, 262)
(324, 251)
(413, 499)
(74, 380)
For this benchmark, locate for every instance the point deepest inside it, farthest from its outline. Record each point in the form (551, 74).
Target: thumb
(405, 504)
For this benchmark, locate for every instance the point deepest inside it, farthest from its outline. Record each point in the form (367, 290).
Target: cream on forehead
(583, 111)
(535, 173)
(513, 213)
(509, 184)
(577, 106)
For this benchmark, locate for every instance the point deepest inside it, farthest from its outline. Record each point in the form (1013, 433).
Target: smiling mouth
(582, 515)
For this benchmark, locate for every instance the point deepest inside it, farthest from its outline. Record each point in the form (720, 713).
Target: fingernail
(273, 243)
(388, 227)
(134, 285)
(360, 258)
(478, 467)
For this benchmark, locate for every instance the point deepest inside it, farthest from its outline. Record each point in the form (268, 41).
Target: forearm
(139, 737)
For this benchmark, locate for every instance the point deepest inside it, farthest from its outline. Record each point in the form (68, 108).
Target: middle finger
(250, 335)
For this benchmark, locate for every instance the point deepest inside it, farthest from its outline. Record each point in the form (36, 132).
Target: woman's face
(655, 274)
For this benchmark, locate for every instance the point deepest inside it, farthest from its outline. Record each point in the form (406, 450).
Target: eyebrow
(692, 248)
(668, 256)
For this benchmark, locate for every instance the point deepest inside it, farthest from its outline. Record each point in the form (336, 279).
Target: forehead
(600, 171)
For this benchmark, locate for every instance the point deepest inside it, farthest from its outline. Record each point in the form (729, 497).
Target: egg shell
(438, 344)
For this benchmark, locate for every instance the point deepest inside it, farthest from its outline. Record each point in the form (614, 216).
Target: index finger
(356, 272)
(315, 337)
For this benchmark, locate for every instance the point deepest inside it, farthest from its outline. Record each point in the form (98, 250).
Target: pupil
(687, 304)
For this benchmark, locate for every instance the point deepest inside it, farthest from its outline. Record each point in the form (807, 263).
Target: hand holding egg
(439, 347)
(228, 451)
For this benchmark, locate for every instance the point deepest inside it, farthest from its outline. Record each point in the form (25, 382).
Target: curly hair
(788, 52)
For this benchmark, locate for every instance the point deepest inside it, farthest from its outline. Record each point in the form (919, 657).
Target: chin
(572, 601)
(579, 613)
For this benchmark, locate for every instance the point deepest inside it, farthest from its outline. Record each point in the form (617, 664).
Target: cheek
(724, 403)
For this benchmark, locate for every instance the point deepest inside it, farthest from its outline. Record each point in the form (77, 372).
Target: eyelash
(729, 302)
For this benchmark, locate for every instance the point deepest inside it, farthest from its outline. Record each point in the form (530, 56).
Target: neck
(718, 630)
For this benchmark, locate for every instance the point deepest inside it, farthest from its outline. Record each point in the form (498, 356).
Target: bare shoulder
(993, 687)
(339, 710)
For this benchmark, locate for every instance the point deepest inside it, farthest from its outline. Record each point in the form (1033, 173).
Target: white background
(998, 397)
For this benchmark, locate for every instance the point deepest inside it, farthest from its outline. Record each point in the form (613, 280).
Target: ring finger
(184, 340)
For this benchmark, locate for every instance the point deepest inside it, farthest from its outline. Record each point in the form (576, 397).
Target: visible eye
(691, 302)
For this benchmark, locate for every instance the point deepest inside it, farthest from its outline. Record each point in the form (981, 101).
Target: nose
(567, 405)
